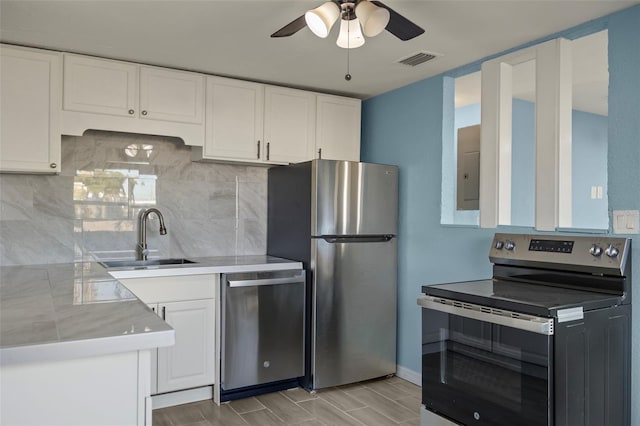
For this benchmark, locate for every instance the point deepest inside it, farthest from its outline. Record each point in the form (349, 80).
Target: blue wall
(523, 154)
(404, 127)
(623, 170)
(589, 139)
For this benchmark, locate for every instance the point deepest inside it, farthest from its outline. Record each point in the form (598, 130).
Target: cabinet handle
(164, 313)
(268, 143)
(144, 112)
(258, 150)
(53, 165)
(319, 153)
(131, 112)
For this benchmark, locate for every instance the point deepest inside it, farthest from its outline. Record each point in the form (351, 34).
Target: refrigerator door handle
(357, 238)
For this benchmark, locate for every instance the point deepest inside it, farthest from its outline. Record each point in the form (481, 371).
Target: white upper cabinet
(235, 111)
(100, 86)
(29, 112)
(251, 122)
(338, 128)
(222, 119)
(121, 96)
(120, 88)
(171, 95)
(289, 125)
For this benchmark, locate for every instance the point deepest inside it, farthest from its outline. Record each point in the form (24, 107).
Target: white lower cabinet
(93, 391)
(189, 363)
(154, 360)
(186, 303)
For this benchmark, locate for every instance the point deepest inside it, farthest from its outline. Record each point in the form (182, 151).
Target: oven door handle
(516, 320)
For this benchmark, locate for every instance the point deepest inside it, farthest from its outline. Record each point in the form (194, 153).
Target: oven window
(480, 373)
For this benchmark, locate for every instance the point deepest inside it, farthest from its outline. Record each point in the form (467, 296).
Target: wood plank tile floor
(383, 402)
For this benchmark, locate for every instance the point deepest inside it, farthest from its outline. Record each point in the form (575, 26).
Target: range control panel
(606, 255)
(553, 246)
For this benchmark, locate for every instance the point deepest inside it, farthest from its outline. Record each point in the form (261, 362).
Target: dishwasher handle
(300, 278)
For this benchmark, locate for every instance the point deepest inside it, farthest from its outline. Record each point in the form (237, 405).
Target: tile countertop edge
(51, 351)
(200, 269)
(73, 349)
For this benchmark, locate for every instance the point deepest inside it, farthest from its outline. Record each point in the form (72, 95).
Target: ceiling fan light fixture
(350, 35)
(374, 19)
(321, 19)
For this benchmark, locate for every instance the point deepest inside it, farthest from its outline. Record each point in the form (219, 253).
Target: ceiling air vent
(417, 58)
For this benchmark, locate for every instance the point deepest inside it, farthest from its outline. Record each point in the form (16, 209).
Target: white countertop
(209, 265)
(65, 311)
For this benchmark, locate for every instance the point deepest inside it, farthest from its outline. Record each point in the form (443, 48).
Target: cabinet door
(338, 128)
(235, 112)
(100, 86)
(171, 95)
(290, 125)
(29, 112)
(189, 363)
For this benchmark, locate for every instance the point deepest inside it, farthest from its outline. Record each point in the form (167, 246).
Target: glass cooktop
(541, 300)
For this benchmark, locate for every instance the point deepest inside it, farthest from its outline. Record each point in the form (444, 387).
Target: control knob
(509, 245)
(595, 250)
(499, 245)
(611, 251)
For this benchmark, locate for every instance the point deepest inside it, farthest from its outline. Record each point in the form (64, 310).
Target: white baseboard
(182, 397)
(409, 375)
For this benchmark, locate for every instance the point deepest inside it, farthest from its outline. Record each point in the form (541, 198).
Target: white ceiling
(232, 37)
(590, 77)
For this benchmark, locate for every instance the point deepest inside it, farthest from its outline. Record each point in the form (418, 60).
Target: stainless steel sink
(144, 263)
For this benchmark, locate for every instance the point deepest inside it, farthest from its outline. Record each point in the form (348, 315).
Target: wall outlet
(596, 192)
(626, 221)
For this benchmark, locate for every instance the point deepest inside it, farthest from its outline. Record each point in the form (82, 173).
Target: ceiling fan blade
(291, 28)
(400, 26)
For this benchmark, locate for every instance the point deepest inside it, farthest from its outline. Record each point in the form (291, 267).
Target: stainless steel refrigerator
(340, 219)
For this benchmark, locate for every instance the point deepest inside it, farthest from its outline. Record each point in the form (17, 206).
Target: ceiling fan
(372, 16)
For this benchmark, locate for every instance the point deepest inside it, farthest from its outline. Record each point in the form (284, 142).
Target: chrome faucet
(141, 248)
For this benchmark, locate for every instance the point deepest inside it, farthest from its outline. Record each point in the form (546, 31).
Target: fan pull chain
(347, 76)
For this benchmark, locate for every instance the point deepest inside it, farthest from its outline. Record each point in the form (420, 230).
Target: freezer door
(354, 311)
(351, 198)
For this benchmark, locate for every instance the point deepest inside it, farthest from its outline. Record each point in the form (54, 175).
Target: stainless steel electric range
(546, 341)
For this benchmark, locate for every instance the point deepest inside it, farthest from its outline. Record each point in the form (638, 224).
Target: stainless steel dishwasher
(262, 330)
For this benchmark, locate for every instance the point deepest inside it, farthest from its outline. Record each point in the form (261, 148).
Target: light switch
(599, 192)
(594, 192)
(626, 221)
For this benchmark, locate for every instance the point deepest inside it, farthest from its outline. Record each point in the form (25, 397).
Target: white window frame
(553, 136)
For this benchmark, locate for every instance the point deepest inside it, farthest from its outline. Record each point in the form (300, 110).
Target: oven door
(481, 366)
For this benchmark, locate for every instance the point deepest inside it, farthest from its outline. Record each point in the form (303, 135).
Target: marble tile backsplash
(90, 210)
